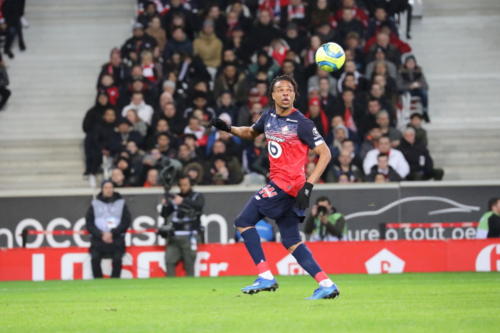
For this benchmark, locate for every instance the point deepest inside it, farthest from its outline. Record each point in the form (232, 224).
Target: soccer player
(289, 136)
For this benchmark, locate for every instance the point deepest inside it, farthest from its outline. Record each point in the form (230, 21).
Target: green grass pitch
(437, 302)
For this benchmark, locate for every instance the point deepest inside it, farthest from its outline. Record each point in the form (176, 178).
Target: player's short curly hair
(283, 78)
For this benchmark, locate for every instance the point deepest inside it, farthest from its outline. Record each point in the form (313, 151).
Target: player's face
(284, 94)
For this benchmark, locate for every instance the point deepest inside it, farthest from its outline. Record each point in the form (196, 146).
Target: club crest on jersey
(284, 129)
(268, 191)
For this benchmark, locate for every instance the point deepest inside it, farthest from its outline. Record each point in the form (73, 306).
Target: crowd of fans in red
(190, 61)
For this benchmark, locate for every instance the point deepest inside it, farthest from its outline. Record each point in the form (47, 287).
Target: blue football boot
(325, 292)
(261, 284)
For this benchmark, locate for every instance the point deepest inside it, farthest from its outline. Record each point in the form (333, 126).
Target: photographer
(325, 223)
(182, 231)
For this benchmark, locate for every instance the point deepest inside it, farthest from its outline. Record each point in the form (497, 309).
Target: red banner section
(222, 260)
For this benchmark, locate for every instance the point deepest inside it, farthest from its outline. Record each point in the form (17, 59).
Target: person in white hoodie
(396, 159)
(144, 111)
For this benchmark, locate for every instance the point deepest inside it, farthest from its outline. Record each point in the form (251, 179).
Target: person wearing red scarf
(318, 116)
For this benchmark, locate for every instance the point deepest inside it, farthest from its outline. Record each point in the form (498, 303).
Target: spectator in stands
(149, 14)
(226, 105)
(151, 70)
(175, 120)
(370, 141)
(108, 87)
(144, 111)
(263, 32)
(320, 14)
(382, 40)
(104, 136)
(349, 23)
(349, 146)
(135, 160)
(318, 116)
(91, 122)
(327, 100)
(179, 14)
(208, 47)
(295, 40)
(396, 159)
(380, 18)
(152, 178)
(135, 45)
(313, 81)
(380, 57)
(118, 178)
(345, 167)
(349, 110)
(164, 146)
(13, 11)
(126, 133)
(157, 32)
(385, 127)
(382, 168)
(107, 220)
(137, 123)
(326, 33)
(232, 80)
(178, 43)
(325, 223)
(419, 158)
(359, 13)
(194, 127)
(264, 63)
(412, 80)
(222, 168)
(420, 132)
(115, 68)
(489, 224)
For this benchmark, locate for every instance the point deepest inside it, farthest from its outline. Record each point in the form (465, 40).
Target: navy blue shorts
(271, 201)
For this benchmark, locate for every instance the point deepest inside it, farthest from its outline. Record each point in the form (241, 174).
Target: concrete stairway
(53, 84)
(456, 43)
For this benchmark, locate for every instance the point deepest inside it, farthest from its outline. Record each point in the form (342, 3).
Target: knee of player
(291, 243)
(241, 224)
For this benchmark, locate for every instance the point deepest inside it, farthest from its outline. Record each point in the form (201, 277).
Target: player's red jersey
(288, 141)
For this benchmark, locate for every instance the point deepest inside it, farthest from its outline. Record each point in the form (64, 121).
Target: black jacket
(494, 226)
(118, 232)
(418, 157)
(191, 208)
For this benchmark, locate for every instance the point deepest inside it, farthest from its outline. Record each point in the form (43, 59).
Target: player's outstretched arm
(324, 158)
(304, 194)
(244, 132)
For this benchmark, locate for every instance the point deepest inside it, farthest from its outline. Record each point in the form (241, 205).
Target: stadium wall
(372, 257)
(366, 208)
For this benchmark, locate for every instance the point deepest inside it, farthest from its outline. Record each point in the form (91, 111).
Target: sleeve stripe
(319, 142)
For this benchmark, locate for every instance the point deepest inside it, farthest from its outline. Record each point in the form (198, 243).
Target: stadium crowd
(187, 62)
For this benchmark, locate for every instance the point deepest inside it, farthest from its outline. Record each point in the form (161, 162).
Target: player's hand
(221, 125)
(304, 196)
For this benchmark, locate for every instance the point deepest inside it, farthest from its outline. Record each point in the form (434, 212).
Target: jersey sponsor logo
(275, 138)
(268, 191)
(274, 149)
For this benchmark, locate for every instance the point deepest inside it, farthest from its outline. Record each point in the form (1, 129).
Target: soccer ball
(330, 57)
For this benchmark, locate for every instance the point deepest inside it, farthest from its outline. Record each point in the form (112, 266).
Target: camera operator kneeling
(325, 223)
(182, 232)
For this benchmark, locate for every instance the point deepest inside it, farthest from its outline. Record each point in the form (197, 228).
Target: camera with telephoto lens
(322, 210)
